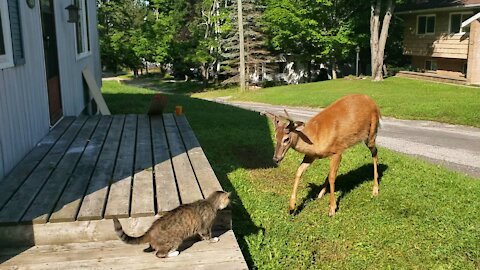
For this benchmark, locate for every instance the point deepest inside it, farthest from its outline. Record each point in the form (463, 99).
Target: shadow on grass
(344, 183)
(172, 86)
(232, 139)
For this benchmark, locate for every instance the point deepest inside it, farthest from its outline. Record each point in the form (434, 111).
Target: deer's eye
(286, 140)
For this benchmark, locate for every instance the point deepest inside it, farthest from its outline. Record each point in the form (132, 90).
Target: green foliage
(311, 29)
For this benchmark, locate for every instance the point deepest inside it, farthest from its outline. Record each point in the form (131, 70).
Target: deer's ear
(304, 137)
(298, 125)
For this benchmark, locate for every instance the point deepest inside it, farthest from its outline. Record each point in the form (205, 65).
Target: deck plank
(21, 200)
(166, 188)
(224, 254)
(118, 200)
(45, 201)
(92, 206)
(69, 203)
(19, 174)
(142, 187)
(206, 177)
(186, 181)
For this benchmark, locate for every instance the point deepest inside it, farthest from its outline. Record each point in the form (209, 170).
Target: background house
(437, 42)
(42, 56)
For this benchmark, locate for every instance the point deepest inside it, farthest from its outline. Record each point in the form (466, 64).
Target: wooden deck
(89, 169)
(114, 254)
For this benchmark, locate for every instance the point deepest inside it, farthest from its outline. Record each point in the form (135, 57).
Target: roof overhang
(471, 19)
(454, 8)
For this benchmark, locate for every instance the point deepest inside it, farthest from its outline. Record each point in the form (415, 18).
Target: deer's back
(344, 123)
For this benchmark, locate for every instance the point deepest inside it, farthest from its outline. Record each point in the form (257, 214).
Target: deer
(349, 120)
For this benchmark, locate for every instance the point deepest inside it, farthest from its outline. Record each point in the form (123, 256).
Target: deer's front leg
(307, 161)
(334, 164)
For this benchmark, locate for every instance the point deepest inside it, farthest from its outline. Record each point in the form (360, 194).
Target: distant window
(6, 54)
(456, 20)
(426, 24)
(81, 29)
(431, 65)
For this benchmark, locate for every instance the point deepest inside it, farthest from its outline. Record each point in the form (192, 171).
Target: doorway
(51, 61)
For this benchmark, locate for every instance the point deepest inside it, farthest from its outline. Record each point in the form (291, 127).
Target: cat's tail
(125, 237)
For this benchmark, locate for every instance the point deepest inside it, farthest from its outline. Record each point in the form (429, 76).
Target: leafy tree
(312, 29)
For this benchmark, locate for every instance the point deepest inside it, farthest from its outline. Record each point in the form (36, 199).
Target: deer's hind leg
(334, 164)
(324, 189)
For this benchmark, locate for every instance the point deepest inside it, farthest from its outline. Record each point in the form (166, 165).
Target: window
(430, 65)
(81, 29)
(6, 54)
(456, 20)
(426, 24)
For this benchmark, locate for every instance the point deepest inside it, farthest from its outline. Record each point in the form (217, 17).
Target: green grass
(396, 97)
(424, 218)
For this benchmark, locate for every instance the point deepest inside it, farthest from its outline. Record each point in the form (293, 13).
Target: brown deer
(346, 122)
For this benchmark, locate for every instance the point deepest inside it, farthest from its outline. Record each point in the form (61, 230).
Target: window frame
(433, 63)
(85, 35)
(470, 13)
(6, 60)
(426, 24)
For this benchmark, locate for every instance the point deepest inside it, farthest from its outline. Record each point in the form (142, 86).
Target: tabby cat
(169, 231)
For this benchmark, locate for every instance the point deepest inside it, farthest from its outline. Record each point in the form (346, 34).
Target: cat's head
(220, 199)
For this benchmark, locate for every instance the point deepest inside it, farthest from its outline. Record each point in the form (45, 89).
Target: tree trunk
(378, 39)
(241, 45)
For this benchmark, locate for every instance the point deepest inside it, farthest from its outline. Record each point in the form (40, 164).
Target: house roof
(429, 5)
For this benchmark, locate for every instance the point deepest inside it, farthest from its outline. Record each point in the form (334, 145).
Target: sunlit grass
(397, 97)
(425, 217)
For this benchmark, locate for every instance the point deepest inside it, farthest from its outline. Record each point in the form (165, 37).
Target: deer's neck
(302, 146)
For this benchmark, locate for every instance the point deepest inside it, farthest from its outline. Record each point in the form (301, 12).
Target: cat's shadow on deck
(344, 183)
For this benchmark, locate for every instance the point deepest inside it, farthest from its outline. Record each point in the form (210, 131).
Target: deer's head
(285, 129)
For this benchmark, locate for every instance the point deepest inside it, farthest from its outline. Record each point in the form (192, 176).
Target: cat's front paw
(214, 240)
(173, 254)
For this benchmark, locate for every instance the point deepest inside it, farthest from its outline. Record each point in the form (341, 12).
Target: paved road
(455, 147)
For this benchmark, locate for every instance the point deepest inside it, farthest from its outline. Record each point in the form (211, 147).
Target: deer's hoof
(331, 213)
(375, 192)
(291, 211)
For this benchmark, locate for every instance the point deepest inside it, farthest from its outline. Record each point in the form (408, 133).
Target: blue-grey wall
(24, 113)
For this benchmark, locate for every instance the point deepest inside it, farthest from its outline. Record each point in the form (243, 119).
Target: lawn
(424, 218)
(397, 97)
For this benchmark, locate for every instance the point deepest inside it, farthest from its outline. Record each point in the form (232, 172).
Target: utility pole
(241, 44)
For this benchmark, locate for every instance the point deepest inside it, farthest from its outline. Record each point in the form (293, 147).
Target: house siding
(23, 95)
(440, 44)
(71, 80)
(24, 111)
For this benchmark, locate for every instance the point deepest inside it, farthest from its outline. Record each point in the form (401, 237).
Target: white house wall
(24, 112)
(71, 83)
(24, 117)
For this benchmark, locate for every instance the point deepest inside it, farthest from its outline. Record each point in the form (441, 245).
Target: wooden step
(115, 254)
(83, 231)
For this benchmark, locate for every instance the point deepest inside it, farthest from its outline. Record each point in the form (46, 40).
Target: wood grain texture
(142, 187)
(118, 201)
(45, 201)
(21, 200)
(166, 187)
(20, 173)
(224, 254)
(68, 205)
(92, 206)
(206, 177)
(186, 181)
